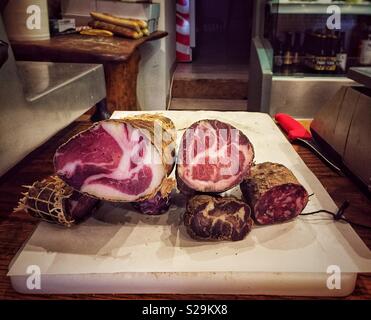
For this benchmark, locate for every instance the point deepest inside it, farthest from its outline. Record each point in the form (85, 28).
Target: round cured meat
(213, 157)
(274, 193)
(123, 160)
(217, 218)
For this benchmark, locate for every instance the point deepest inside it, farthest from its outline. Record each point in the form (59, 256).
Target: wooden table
(120, 57)
(17, 227)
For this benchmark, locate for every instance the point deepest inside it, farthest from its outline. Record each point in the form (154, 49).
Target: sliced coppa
(116, 160)
(213, 157)
(217, 218)
(274, 193)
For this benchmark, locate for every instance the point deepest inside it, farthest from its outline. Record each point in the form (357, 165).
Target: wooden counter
(16, 228)
(119, 56)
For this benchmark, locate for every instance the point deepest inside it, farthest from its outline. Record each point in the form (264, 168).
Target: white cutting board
(121, 251)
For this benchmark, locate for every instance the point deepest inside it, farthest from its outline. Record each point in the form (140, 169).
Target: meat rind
(274, 193)
(167, 144)
(217, 218)
(160, 203)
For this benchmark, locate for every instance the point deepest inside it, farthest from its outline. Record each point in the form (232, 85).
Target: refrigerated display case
(301, 52)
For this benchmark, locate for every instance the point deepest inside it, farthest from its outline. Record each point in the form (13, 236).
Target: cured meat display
(53, 201)
(119, 160)
(274, 193)
(213, 157)
(217, 218)
(160, 203)
(130, 160)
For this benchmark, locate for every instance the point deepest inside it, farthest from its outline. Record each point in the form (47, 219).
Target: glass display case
(302, 50)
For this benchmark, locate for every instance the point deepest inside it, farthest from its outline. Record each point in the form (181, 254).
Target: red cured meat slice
(274, 193)
(213, 157)
(129, 186)
(280, 204)
(113, 160)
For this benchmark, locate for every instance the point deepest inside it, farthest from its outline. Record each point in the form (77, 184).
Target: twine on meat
(45, 200)
(339, 215)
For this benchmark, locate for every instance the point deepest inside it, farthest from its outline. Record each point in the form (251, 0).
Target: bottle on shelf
(320, 54)
(330, 45)
(341, 56)
(278, 55)
(297, 51)
(309, 49)
(365, 49)
(356, 36)
(288, 54)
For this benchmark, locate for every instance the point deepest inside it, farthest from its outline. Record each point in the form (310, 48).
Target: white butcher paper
(118, 240)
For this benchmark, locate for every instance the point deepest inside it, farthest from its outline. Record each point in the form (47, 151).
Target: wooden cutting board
(121, 251)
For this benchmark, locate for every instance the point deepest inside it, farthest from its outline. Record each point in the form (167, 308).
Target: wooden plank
(210, 89)
(121, 84)
(204, 81)
(208, 104)
(194, 71)
(80, 48)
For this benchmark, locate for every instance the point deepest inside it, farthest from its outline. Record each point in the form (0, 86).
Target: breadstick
(122, 31)
(122, 22)
(97, 32)
(145, 32)
(142, 24)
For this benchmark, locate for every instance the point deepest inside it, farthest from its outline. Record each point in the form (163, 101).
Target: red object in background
(292, 127)
(183, 32)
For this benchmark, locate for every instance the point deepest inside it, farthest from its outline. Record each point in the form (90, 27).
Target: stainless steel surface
(303, 97)
(42, 78)
(258, 18)
(53, 103)
(344, 110)
(260, 78)
(345, 124)
(310, 7)
(332, 122)
(357, 154)
(362, 75)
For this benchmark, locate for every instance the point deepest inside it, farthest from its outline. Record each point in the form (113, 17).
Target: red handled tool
(297, 133)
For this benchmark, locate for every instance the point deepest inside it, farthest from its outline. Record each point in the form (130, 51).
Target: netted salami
(274, 193)
(217, 218)
(53, 201)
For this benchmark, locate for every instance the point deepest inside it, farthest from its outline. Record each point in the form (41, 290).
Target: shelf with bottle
(318, 53)
(355, 7)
